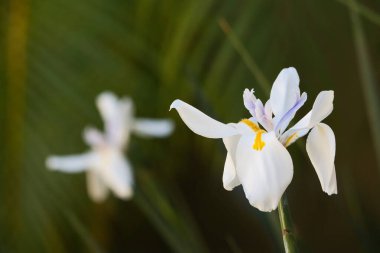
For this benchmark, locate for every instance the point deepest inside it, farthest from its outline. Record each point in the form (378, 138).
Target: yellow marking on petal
(252, 125)
(258, 144)
(290, 138)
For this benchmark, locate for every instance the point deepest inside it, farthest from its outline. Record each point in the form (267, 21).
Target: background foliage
(57, 55)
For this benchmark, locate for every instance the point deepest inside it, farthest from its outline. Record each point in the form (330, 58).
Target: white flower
(257, 158)
(105, 163)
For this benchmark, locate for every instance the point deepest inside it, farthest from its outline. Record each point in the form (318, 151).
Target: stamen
(258, 144)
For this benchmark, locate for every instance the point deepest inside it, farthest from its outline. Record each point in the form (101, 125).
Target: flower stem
(286, 223)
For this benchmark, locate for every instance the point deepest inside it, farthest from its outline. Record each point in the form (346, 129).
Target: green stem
(288, 236)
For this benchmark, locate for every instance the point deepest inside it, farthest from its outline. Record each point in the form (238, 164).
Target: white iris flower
(257, 157)
(105, 163)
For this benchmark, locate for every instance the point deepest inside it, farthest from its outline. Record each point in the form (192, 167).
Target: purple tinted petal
(259, 109)
(268, 110)
(285, 120)
(264, 118)
(249, 101)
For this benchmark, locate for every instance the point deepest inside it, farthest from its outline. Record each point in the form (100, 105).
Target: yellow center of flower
(258, 144)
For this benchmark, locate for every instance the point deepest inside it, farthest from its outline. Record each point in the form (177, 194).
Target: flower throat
(258, 143)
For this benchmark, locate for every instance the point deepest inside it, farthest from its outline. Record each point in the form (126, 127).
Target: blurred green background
(57, 55)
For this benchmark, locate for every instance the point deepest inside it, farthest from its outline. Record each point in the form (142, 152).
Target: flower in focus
(107, 167)
(257, 157)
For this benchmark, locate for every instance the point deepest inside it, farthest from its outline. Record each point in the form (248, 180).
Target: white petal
(93, 136)
(285, 91)
(153, 127)
(108, 106)
(322, 107)
(297, 131)
(117, 115)
(303, 123)
(72, 163)
(320, 146)
(200, 123)
(264, 174)
(231, 144)
(96, 188)
(230, 179)
(333, 188)
(117, 174)
(242, 127)
(290, 136)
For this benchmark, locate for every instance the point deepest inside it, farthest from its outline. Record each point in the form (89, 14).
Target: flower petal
(284, 121)
(72, 163)
(265, 174)
(268, 109)
(285, 91)
(322, 107)
(293, 134)
(153, 127)
(117, 175)
(230, 179)
(202, 124)
(96, 188)
(93, 136)
(249, 100)
(267, 121)
(320, 146)
(333, 188)
(117, 115)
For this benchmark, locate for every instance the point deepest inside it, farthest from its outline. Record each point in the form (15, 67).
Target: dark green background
(57, 55)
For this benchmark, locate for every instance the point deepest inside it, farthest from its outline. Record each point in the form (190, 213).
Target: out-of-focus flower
(257, 158)
(106, 166)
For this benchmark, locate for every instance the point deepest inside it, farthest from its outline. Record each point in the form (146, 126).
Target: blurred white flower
(257, 158)
(105, 163)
